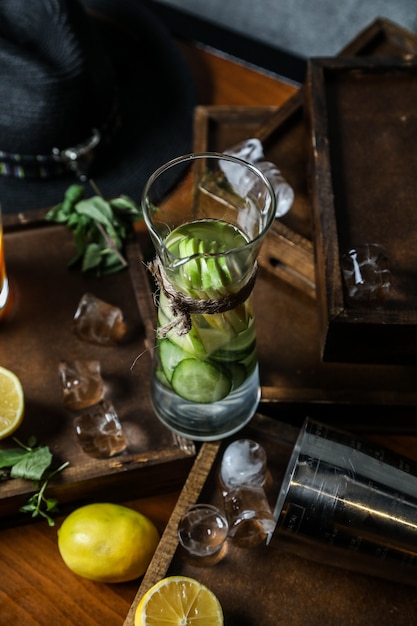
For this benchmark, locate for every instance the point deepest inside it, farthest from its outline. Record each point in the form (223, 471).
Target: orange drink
(4, 283)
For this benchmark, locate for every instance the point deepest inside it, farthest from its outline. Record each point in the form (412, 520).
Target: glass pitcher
(207, 215)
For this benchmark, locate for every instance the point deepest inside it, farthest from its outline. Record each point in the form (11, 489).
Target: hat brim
(157, 101)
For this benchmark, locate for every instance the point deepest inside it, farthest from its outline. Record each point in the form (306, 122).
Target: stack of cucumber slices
(218, 354)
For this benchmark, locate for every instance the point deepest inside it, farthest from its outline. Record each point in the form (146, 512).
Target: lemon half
(179, 601)
(12, 404)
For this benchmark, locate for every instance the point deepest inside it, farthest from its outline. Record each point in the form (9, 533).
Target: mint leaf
(92, 257)
(12, 456)
(100, 228)
(97, 209)
(41, 506)
(33, 465)
(62, 212)
(126, 205)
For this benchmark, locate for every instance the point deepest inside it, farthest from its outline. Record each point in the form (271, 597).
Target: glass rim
(193, 156)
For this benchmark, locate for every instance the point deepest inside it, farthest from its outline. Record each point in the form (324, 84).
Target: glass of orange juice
(4, 282)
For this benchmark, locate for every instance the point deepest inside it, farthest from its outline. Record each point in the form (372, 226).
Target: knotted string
(182, 306)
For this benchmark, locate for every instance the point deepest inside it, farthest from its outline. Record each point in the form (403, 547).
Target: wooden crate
(363, 187)
(39, 334)
(288, 251)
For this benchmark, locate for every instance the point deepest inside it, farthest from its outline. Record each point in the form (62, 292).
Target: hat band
(28, 166)
(76, 159)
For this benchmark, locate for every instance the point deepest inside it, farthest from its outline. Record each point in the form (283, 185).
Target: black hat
(95, 89)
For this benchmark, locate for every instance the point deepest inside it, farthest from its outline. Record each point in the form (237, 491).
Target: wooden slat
(169, 541)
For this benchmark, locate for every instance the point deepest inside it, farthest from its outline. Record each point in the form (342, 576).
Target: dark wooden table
(36, 588)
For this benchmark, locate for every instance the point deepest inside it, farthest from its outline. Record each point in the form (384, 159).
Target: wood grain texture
(269, 585)
(169, 541)
(362, 168)
(36, 588)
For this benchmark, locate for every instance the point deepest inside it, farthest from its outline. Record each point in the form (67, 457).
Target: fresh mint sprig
(32, 462)
(38, 504)
(100, 228)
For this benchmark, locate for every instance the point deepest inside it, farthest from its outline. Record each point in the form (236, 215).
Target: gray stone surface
(303, 27)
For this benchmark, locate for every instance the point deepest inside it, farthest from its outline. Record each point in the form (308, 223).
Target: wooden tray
(363, 127)
(39, 335)
(288, 252)
(285, 253)
(294, 379)
(293, 375)
(264, 585)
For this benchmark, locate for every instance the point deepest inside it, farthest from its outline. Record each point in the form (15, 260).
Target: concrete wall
(303, 27)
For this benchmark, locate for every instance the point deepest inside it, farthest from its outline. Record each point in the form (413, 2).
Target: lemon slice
(179, 601)
(11, 402)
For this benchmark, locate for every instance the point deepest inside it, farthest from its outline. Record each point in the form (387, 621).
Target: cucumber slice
(238, 348)
(214, 339)
(170, 355)
(199, 381)
(189, 342)
(250, 361)
(233, 354)
(238, 374)
(209, 274)
(222, 263)
(161, 377)
(215, 276)
(191, 270)
(240, 318)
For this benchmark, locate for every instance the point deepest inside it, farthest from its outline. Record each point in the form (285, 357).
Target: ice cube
(250, 150)
(243, 473)
(81, 382)
(241, 179)
(203, 530)
(249, 515)
(99, 322)
(366, 275)
(243, 463)
(284, 193)
(100, 432)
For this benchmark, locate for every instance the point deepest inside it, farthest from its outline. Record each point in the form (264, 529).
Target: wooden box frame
(363, 185)
(38, 335)
(288, 250)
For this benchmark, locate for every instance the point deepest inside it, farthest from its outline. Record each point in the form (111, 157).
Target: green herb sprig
(100, 228)
(32, 462)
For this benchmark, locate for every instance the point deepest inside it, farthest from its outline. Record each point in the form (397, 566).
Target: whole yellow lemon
(107, 542)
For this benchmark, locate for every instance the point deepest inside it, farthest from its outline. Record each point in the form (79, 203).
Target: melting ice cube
(243, 463)
(284, 193)
(251, 150)
(100, 432)
(366, 275)
(98, 322)
(203, 530)
(249, 515)
(81, 382)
